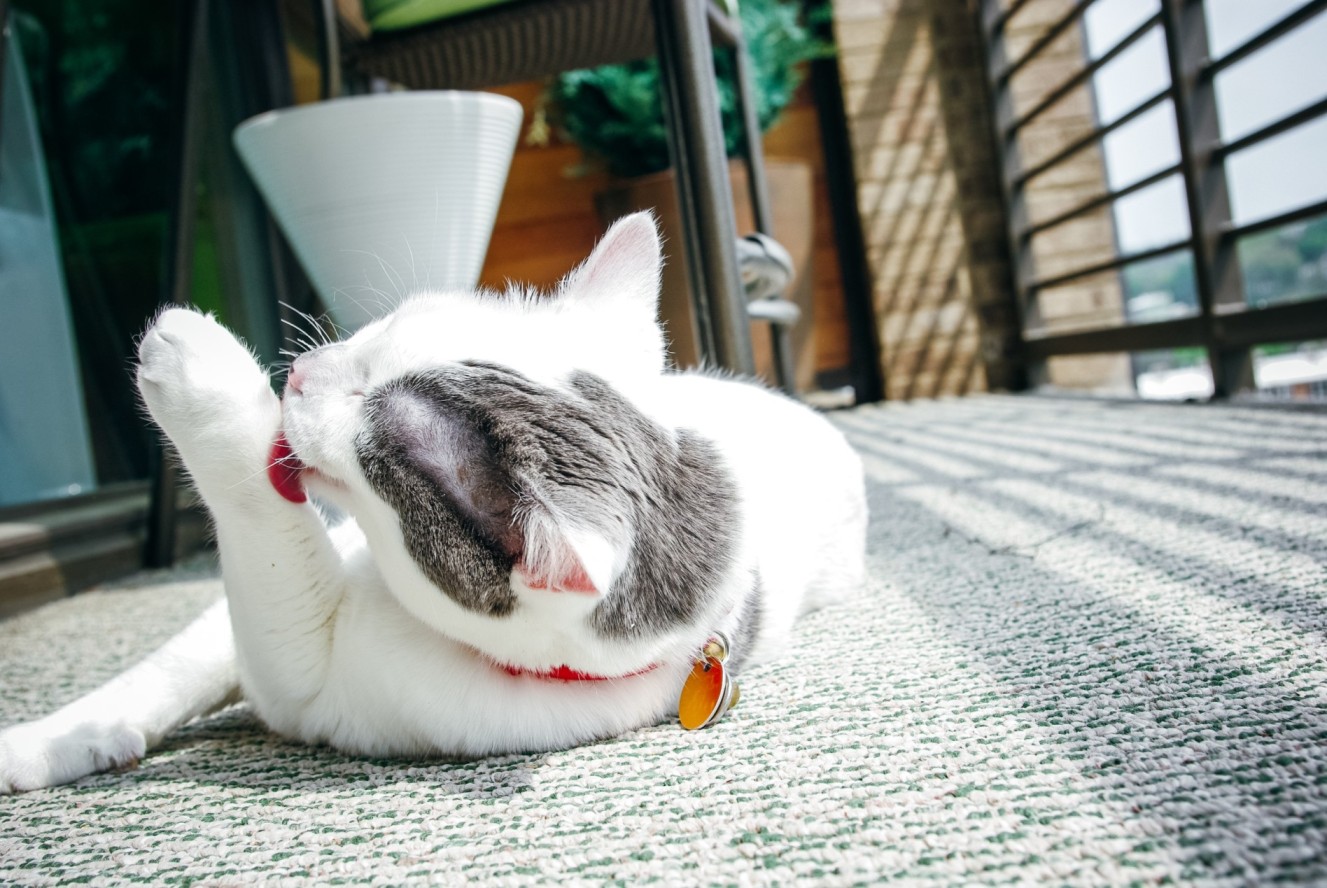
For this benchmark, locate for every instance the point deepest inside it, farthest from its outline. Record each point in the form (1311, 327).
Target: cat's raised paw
(205, 389)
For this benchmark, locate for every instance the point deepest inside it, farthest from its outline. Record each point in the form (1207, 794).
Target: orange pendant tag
(709, 691)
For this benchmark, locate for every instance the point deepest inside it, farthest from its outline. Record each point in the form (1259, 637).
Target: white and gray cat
(545, 527)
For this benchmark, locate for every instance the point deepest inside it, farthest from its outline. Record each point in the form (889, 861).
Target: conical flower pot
(386, 194)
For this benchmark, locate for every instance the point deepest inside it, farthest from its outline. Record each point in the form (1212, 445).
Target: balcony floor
(1093, 649)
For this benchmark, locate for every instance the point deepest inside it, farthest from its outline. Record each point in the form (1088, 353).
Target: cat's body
(545, 528)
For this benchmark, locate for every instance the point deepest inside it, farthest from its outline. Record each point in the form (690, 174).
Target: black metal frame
(177, 277)
(241, 41)
(1225, 326)
(682, 31)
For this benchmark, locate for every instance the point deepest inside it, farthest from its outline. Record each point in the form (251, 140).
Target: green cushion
(391, 15)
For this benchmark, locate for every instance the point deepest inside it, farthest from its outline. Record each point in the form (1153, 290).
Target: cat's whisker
(290, 460)
(294, 325)
(437, 209)
(398, 283)
(380, 304)
(326, 325)
(382, 300)
(341, 332)
(414, 273)
(301, 336)
(247, 478)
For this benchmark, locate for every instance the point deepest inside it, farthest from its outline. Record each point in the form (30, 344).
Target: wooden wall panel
(547, 222)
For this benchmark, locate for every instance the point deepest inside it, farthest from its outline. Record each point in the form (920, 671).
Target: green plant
(615, 112)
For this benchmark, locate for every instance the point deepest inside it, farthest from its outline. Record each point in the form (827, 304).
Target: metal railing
(1224, 324)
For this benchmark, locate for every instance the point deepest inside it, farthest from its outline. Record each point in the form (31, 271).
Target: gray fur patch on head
(683, 506)
(464, 451)
(403, 453)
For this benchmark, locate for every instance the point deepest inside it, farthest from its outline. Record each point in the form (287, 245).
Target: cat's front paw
(206, 391)
(38, 754)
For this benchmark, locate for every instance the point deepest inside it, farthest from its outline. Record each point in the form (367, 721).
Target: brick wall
(931, 203)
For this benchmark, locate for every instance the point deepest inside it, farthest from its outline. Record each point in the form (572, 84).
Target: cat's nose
(295, 378)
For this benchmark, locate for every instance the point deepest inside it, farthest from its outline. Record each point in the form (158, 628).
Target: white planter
(386, 194)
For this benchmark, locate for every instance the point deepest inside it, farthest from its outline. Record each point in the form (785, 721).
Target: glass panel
(1232, 22)
(1283, 173)
(1053, 64)
(1157, 289)
(44, 445)
(1109, 374)
(1142, 147)
(1029, 24)
(1285, 264)
(1173, 374)
(1068, 119)
(1160, 289)
(1276, 81)
(1083, 241)
(1153, 217)
(1107, 22)
(1136, 75)
(1291, 371)
(1087, 303)
(102, 77)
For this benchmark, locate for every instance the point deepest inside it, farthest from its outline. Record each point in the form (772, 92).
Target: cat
(545, 528)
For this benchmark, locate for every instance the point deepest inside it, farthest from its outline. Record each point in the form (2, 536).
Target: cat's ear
(566, 559)
(624, 267)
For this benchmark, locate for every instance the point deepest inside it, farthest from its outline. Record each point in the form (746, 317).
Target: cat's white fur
(336, 636)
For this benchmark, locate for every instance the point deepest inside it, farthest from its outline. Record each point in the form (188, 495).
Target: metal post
(854, 265)
(1216, 269)
(753, 153)
(329, 49)
(177, 278)
(991, 23)
(691, 109)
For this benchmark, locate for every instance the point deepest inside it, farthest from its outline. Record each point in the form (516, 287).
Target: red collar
(566, 673)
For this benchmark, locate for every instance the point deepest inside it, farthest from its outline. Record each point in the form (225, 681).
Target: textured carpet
(1092, 651)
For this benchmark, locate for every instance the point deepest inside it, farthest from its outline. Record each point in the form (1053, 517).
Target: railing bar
(1089, 205)
(1237, 311)
(723, 29)
(1173, 333)
(1242, 326)
(1095, 135)
(1258, 41)
(1304, 115)
(1055, 30)
(1110, 265)
(1292, 321)
(1083, 74)
(1286, 218)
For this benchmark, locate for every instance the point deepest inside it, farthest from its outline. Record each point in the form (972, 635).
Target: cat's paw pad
(199, 381)
(37, 755)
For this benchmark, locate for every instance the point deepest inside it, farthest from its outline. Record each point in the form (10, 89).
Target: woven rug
(1092, 651)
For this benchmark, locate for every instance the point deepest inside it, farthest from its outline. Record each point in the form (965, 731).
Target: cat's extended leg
(283, 576)
(192, 674)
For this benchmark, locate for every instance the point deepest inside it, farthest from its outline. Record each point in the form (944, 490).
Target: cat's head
(516, 488)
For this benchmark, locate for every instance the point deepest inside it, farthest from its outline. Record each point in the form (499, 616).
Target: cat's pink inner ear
(626, 262)
(573, 579)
